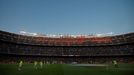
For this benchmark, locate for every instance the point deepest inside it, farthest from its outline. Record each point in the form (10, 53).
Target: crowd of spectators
(51, 41)
(11, 48)
(74, 49)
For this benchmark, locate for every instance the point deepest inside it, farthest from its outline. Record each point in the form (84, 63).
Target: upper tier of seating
(66, 41)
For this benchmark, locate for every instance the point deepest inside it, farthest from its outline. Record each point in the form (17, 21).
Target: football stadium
(22, 54)
(66, 37)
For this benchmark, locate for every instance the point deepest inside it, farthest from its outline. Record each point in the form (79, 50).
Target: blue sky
(67, 16)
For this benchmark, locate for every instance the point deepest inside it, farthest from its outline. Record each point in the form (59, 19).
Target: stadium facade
(15, 47)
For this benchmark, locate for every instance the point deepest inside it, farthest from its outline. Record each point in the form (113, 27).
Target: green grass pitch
(66, 69)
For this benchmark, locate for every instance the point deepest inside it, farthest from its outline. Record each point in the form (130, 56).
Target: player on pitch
(115, 64)
(20, 65)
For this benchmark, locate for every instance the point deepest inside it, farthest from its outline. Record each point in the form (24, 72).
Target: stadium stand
(15, 47)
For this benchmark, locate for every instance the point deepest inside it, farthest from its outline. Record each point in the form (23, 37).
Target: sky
(67, 16)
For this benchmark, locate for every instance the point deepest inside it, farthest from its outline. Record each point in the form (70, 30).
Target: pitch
(66, 69)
